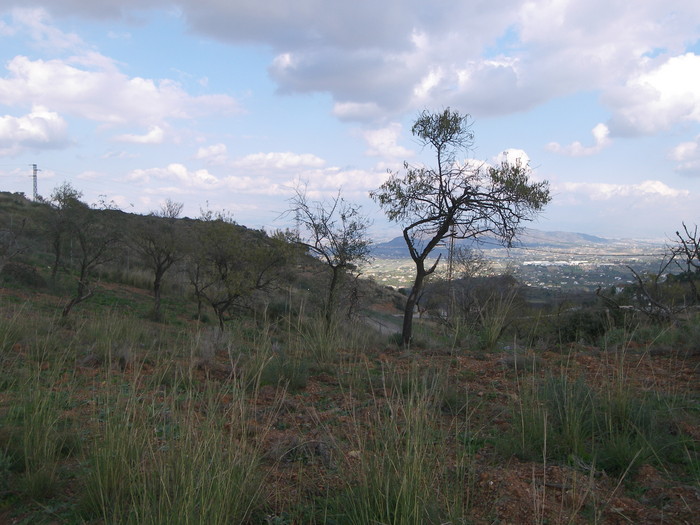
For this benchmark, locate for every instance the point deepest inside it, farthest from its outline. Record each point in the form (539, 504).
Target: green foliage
(399, 467)
(17, 273)
(454, 199)
(228, 264)
(614, 429)
(586, 325)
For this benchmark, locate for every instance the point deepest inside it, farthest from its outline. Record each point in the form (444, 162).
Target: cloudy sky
(228, 104)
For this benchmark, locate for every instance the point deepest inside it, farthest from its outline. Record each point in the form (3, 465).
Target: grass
(179, 424)
(614, 427)
(399, 466)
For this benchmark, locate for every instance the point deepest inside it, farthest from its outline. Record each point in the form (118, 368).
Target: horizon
(229, 106)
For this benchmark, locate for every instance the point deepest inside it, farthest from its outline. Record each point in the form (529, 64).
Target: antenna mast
(35, 170)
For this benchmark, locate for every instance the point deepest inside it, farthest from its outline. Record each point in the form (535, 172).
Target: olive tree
(228, 264)
(64, 206)
(158, 240)
(96, 232)
(335, 232)
(9, 243)
(454, 198)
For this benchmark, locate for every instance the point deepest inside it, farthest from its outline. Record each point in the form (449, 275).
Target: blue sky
(230, 104)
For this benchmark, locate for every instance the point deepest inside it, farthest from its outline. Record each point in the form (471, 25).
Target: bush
(583, 326)
(22, 274)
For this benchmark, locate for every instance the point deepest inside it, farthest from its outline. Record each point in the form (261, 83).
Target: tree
(97, 234)
(686, 254)
(9, 243)
(662, 295)
(227, 264)
(159, 242)
(454, 199)
(64, 205)
(335, 232)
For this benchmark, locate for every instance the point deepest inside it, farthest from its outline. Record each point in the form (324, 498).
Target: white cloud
(40, 129)
(648, 190)
(215, 154)
(383, 142)
(601, 139)
(362, 111)
(155, 135)
(175, 172)
(104, 95)
(38, 23)
(254, 185)
(513, 156)
(687, 157)
(278, 161)
(660, 96)
(378, 60)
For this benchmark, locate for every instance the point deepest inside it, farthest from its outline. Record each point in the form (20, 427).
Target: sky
(231, 104)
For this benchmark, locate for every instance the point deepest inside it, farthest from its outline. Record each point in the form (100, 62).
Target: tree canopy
(456, 197)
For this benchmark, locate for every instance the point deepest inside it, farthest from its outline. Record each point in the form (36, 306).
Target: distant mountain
(529, 238)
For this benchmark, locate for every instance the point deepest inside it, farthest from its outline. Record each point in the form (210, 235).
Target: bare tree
(159, 242)
(334, 231)
(454, 199)
(687, 257)
(96, 236)
(9, 242)
(671, 289)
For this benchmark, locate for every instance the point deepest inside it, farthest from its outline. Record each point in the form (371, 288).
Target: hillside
(529, 238)
(505, 407)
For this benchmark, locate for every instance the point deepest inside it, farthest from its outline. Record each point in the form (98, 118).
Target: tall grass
(183, 454)
(613, 426)
(401, 473)
(36, 434)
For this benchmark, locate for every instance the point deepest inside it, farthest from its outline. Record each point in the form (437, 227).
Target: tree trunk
(156, 295)
(56, 259)
(332, 290)
(407, 332)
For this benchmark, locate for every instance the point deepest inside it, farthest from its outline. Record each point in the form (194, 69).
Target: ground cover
(111, 418)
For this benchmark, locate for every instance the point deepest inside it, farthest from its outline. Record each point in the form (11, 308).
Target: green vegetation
(242, 403)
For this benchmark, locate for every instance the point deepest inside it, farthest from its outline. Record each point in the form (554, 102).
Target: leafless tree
(336, 232)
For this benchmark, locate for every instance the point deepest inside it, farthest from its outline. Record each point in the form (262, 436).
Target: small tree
(159, 242)
(9, 242)
(97, 235)
(686, 252)
(454, 199)
(663, 294)
(335, 232)
(64, 205)
(228, 264)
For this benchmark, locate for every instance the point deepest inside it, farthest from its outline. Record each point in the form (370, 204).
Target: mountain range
(528, 238)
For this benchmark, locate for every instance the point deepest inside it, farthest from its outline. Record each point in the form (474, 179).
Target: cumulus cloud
(383, 142)
(378, 60)
(155, 135)
(687, 157)
(175, 172)
(601, 191)
(215, 154)
(661, 95)
(362, 111)
(105, 94)
(601, 139)
(278, 161)
(40, 129)
(46, 36)
(513, 156)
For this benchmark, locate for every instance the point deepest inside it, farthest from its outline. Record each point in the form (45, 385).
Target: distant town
(556, 260)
